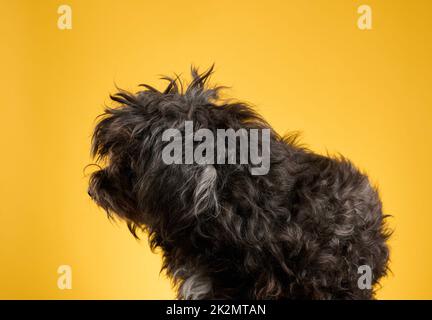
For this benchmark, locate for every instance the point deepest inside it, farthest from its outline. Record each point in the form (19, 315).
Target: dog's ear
(179, 192)
(205, 196)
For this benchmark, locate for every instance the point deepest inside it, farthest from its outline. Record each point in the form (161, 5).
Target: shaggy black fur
(301, 231)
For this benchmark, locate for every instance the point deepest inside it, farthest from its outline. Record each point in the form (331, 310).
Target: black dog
(301, 231)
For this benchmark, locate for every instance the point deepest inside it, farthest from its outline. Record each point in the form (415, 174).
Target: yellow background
(304, 64)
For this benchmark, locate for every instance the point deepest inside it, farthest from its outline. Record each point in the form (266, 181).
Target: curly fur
(299, 232)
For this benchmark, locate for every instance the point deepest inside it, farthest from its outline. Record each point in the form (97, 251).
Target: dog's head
(134, 183)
